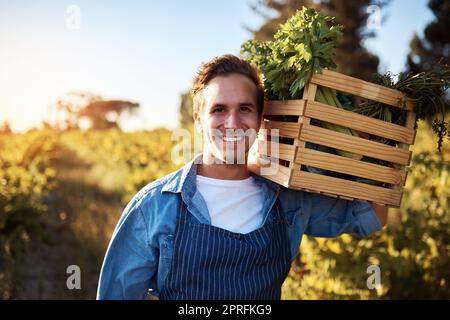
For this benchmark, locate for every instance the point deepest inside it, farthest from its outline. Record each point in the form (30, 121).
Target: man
(213, 229)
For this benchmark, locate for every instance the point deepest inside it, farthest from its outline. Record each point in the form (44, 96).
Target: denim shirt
(139, 255)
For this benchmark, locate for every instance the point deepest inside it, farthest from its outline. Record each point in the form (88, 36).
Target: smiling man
(213, 229)
(227, 109)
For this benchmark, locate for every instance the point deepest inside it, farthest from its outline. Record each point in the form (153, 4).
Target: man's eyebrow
(219, 104)
(248, 104)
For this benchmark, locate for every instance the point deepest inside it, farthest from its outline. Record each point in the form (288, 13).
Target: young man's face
(229, 118)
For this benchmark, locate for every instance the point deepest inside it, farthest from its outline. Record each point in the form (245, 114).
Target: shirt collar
(185, 179)
(185, 175)
(184, 182)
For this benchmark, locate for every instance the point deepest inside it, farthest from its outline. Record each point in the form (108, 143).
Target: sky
(143, 51)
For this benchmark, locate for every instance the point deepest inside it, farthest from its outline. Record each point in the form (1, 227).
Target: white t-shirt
(234, 205)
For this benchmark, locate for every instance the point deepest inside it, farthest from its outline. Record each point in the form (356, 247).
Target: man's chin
(227, 157)
(232, 158)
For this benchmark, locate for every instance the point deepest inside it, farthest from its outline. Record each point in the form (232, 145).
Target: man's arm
(331, 207)
(331, 217)
(130, 265)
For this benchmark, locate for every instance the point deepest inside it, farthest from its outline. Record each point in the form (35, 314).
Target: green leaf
(303, 45)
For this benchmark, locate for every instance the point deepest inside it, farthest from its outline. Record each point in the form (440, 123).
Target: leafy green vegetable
(427, 89)
(304, 45)
(328, 96)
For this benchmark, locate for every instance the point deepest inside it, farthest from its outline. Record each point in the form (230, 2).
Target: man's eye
(246, 109)
(218, 110)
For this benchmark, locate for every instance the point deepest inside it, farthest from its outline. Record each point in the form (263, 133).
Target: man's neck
(224, 171)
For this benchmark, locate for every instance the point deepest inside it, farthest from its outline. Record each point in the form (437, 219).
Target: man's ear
(197, 121)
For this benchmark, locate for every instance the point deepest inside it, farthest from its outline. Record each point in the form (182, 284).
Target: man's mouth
(232, 138)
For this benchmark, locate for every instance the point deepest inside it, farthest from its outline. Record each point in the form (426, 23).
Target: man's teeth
(232, 139)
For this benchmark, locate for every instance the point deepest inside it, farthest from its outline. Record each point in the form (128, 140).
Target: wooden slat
(280, 179)
(284, 151)
(287, 129)
(341, 82)
(333, 75)
(288, 107)
(410, 123)
(309, 94)
(345, 188)
(345, 165)
(282, 175)
(284, 170)
(353, 144)
(326, 194)
(356, 121)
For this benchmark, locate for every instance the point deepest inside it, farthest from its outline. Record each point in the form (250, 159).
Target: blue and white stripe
(213, 263)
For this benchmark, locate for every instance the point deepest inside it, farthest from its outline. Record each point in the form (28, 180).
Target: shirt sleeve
(130, 264)
(331, 217)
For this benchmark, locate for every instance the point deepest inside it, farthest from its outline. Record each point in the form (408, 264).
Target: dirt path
(77, 228)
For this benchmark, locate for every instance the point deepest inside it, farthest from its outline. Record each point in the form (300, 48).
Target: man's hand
(253, 163)
(382, 213)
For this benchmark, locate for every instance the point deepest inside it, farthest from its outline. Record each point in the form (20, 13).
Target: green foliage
(428, 90)
(26, 176)
(351, 56)
(304, 45)
(412, 252)
(124, 162)
(117, 161)
(429, 55)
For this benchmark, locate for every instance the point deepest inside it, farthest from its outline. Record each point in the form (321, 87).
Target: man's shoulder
(308, 199)
(154, 188)
(292, 198)
(171, 182)
(151, 202)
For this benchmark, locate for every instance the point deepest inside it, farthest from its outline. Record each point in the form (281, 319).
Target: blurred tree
(47, 125)
(433, 51)
(104, 114)
(351, 57)
(5, 128)
(91, 111)
(186, 110)
(435, 46)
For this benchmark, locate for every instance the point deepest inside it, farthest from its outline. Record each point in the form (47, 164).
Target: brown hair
(222, 66)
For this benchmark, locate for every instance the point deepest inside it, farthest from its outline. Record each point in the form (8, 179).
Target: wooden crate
(293, 155)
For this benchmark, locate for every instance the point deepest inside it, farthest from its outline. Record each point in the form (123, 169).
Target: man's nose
(232, 121)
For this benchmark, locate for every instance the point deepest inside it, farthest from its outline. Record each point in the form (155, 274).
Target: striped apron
(212, 263)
